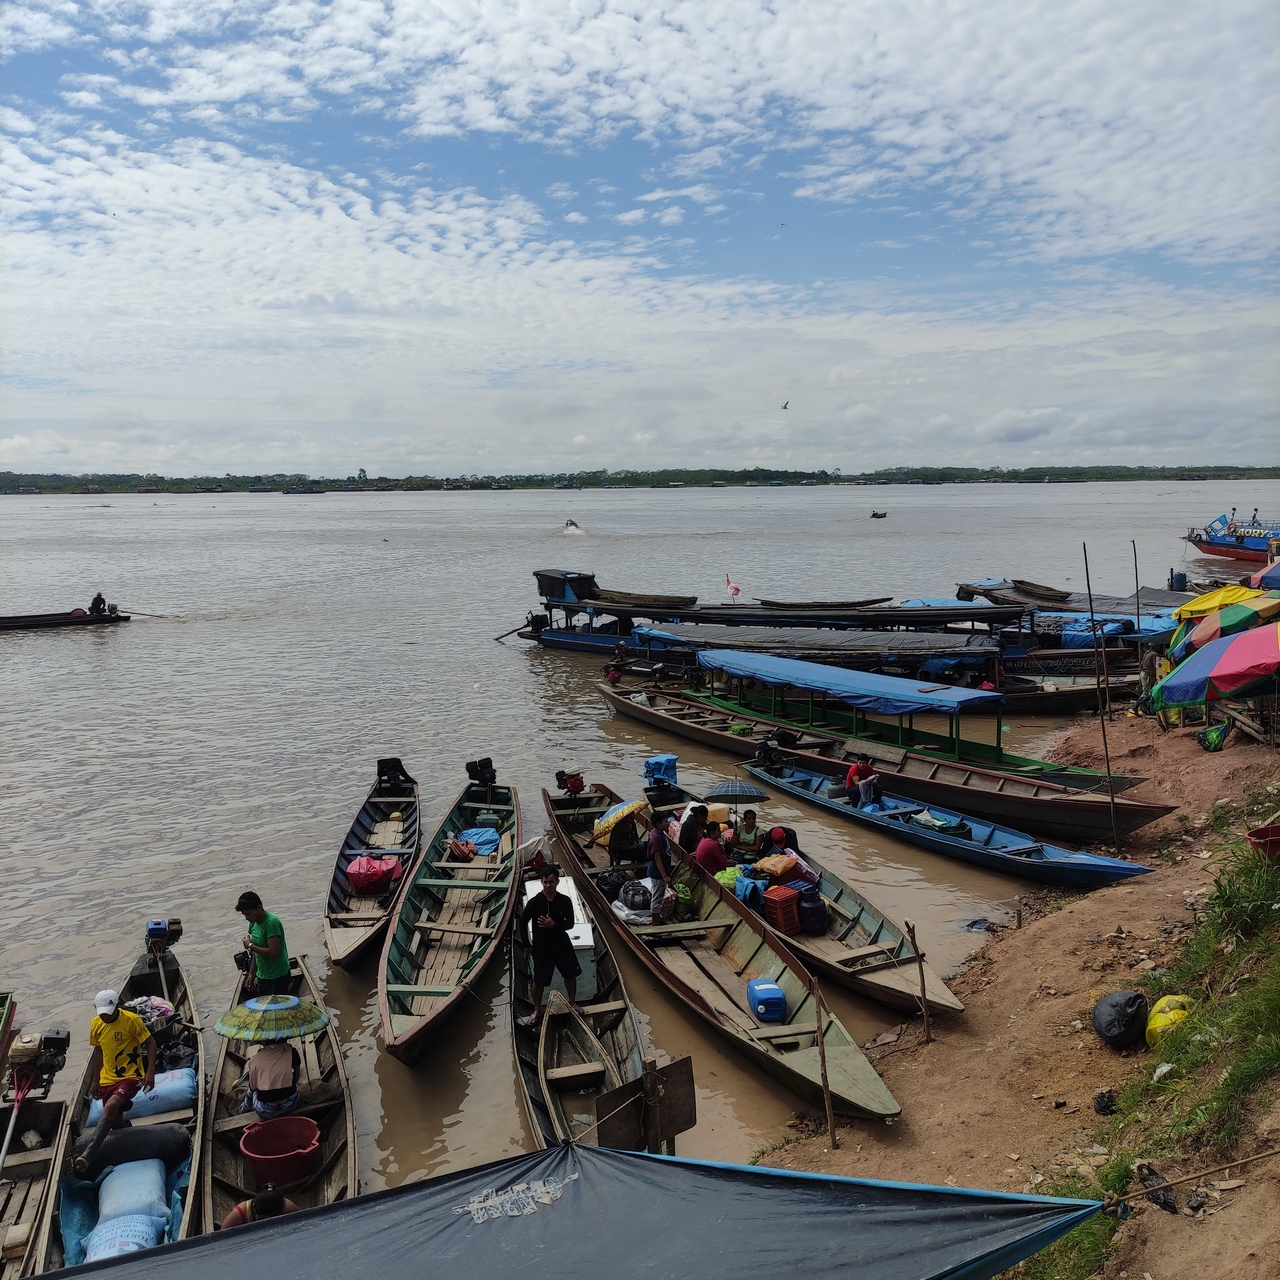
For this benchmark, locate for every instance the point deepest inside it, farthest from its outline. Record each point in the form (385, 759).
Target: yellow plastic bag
(1165, 1014)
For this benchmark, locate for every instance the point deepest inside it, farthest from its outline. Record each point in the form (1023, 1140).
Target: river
(161, 767)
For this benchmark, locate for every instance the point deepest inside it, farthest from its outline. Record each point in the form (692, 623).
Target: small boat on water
(862, 949)
(157, 975)
(387, 826)
(572, 1058)
(1236, 539)
(29, 1176)
(47, 621)
(879, 515)
(226, 1178)
(451, 914)
(1029, 695)
(1050, 808)
(708, 960)
(954, 835)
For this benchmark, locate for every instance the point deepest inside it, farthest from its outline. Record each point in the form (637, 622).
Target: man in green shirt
(265, 943)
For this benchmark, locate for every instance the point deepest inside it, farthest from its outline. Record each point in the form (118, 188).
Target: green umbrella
(266, 1018)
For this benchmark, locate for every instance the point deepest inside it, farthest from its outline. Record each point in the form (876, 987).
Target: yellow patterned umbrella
(267, 1018)
(615, 815)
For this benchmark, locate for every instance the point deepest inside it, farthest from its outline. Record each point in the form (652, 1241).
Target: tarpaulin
(580, 1213)
(796, 640)
(885, 695)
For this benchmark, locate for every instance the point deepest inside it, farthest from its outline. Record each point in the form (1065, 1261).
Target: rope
(1114, 1204)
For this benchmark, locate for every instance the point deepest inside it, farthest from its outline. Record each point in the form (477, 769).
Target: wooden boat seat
(478, 864)
(229, 1124)
(356, 917)
(1021, 850)
(184, 1116)
(429, 926)
(575, 1077)
(409, 990)
(862, 953)
(608, 1006)
(784, 1032)
(462, 884)
(388, 851)
(693, 929)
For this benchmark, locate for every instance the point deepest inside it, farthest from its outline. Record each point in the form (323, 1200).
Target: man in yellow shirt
(119, 1037)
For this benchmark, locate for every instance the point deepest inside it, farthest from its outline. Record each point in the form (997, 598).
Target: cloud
(575, 217)
(671, 216)
(631, 218)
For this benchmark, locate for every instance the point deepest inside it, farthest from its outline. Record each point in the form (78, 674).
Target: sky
(494, 236)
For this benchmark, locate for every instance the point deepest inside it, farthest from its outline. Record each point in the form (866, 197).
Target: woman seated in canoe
(748, 838)
(273, 1081)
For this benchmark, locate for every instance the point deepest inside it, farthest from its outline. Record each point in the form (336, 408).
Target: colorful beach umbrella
(1226, 622)
(1236, 666)
(267, 1018)
(612, 817)
(1267, 579)
(1212, 601)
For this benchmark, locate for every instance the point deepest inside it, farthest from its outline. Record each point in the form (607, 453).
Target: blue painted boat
(1237, 540)
(954, 835)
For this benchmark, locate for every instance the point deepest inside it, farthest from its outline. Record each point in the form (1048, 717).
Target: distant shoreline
(17, 483)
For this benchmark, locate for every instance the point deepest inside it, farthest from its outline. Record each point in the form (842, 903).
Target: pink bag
(369, 877)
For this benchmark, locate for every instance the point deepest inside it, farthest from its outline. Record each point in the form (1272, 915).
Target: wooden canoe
(387, 825)
(1045, 807)
(863, 949)
(449, 922)
(144, 979)
(326, 1098)
(29, 1178)
(708, 962)
(47, 621)
(566, 1064)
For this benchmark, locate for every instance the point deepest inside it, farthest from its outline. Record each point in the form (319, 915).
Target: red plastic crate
(782, 909)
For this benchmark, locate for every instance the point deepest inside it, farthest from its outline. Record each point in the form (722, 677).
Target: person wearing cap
(265, 943)
(119, 1039)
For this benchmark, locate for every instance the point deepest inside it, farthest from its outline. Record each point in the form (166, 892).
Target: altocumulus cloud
(230, 221)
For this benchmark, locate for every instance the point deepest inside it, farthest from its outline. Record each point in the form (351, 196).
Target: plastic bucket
(282, 1150)
(1266, 840)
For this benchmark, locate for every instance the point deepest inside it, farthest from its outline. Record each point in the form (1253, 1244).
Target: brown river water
(160, 768)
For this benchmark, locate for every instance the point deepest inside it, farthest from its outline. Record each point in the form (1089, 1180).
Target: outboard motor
(570, 781)
(482, 772)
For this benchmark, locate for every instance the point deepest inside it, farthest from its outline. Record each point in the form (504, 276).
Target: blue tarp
(885, 695)
(580, 1213)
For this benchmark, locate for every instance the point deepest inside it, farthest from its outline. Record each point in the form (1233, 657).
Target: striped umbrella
(1238, 666)
(612, 817)
(266, 1018)
(1226, 622)
(1267, 579)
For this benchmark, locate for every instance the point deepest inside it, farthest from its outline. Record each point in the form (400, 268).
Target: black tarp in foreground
(586, 1213)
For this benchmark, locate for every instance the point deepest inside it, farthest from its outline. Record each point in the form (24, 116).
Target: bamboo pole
(1102, 720)
(924, 1002)
(820, 1009)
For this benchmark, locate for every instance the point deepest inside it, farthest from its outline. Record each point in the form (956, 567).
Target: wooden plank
(476, 864)
(861, 953)
(693, 929)
(357, 917)
(579, 1074)
(463, 884)
(608, 1006)
(784, 1032)
(477, 930)
(408, 989)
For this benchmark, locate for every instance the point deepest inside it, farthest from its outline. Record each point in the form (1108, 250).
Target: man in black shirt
(551, 915)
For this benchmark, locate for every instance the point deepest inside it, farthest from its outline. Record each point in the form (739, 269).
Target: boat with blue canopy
(954, 835)
(1242, 539)
(579, 1212)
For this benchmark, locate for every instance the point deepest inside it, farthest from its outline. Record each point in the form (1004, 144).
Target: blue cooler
(766, 1000)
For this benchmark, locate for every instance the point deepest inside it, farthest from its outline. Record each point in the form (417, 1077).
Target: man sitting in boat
(98, 606)
(119, 1038)
(273, 1081)
(862, 783)
(550, 914)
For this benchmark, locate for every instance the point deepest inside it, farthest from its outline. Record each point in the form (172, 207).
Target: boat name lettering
(516, 1201)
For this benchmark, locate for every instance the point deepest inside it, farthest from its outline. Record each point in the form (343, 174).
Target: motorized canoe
(386, 826)
(572, 1058)
(48, 621)
(449, 920)
(707, 961)
(157, 974)
(863, 949)
(954, 835)
(1045, 807)
(325, 1094)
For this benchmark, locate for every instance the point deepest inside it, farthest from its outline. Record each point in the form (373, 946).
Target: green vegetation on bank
(15, 482)
(1223, 1056)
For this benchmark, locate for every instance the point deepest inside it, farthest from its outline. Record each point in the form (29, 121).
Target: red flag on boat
(734, 590)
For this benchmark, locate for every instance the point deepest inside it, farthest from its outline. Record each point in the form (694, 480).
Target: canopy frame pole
(1137, 593)
(1101, 673)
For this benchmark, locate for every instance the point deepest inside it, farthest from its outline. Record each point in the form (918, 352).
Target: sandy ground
(1003, 1097)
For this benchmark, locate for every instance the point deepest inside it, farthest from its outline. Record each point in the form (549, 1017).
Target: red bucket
(1266, 840)
(281, 1151)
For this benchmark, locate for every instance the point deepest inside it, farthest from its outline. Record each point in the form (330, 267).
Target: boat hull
(1046, 808)
(1230, 550)
(47, 621)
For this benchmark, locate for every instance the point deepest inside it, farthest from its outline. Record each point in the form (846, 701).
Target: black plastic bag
(1121, 1019)
(610, 883)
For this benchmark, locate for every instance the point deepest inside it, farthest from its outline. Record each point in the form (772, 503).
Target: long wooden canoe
(708, 961)
(326, 1098)
(862, 949)
(29, 1178)
(47, 621)
(145, 978)
(450, 918)
(572, 1059)
(1044, 807)
(386, 826)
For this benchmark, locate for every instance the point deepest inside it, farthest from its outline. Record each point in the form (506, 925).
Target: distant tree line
(18, 482)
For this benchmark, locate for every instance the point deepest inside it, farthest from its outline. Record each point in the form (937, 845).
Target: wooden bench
(693, 929)
(785, 1032)
(242, 1121)
(583, 1073)
(862, 953)
(608, 1006)
(477, 864)
(462, 884)
(408, 990)
(477, 931)
(356, 917)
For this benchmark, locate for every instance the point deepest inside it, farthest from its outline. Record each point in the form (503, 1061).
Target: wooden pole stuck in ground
(1102, 719)
(820, 1011)
(924, 1002)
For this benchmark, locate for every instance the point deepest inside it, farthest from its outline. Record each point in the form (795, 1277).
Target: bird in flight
(785, 403)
